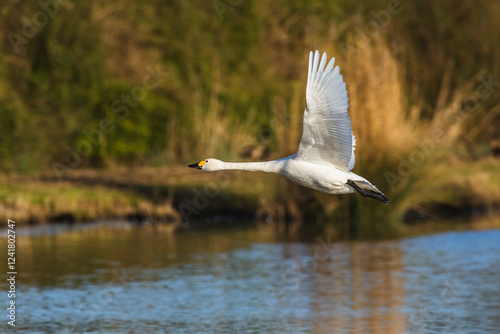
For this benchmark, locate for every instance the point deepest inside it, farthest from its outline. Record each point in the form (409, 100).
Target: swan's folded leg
(368, 190)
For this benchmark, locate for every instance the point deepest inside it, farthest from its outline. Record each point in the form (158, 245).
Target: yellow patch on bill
(201, 163)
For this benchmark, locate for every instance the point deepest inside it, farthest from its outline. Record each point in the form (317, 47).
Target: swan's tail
(367, 189)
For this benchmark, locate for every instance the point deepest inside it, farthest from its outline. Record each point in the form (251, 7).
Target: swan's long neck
(274, 166)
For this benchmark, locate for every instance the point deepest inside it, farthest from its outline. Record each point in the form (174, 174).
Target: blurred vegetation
(76, 92)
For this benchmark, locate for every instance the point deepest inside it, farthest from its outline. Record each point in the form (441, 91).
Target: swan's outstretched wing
(327, 137)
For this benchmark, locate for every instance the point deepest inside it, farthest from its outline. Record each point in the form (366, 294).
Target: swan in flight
(325, 156)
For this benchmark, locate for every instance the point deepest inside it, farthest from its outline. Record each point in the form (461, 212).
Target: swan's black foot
(366, 190)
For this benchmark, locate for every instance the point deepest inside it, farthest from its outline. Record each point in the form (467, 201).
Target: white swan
(326, 150)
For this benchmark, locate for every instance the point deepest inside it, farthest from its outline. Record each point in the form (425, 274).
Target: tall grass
(237, 80)
(395, 138)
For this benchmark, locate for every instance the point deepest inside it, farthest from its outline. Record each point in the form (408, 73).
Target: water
(116, 278)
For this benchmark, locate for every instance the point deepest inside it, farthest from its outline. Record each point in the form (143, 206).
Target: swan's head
(208, 165)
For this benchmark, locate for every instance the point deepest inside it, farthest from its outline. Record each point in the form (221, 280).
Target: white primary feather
(327, 137)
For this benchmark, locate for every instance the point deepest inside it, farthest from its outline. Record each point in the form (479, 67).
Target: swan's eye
(206, 160)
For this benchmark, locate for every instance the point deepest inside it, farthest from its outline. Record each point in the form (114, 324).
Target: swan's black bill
(197, 165)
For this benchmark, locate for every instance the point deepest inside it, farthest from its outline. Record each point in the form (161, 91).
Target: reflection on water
(122, 279)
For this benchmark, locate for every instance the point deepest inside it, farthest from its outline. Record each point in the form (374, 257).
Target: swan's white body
(325, 156)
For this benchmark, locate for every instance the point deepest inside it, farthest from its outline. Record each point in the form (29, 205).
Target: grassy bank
(182, 196)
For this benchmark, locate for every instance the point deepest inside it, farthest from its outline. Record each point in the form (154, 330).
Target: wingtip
(316, 59)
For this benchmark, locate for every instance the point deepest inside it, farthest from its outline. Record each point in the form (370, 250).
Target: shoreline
(175, 195)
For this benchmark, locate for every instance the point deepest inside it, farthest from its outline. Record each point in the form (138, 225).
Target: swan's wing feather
(327, 137)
